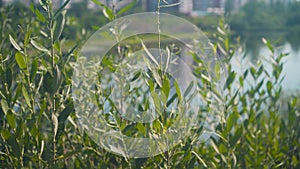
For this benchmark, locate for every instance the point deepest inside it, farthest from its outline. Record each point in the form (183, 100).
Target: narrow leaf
(34, 69)
(177, 88)
(14, 43)
(55, 124)
(166, 87)
(200, 159)
(26, 96)
(40, 16)
(171, 5)
(98, 3)
(60, 24)
(157, 77)
(38, 46)
(156, 100)
(108, 13)
(59, 11)
(149, 54)
(66, 112)
(188, 89)
(126, 8)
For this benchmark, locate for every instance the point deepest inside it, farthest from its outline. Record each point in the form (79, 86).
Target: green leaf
(166, 87)
(14, 145)
(18, 93)
(53, 81)
(108, 13)
(170, 5)
(5, 134)
(268, 44)
(269, 87)
(171, 100)
(40, 16)
(65, 59)
(10, 117)
(60, 24)
(253, 72)
(226, 44)
(66, 112)
(68, 154)
(44, 4)
(62, 117)
(241, 80)
(237, 135)
(60, 10)
(34, 131)
(97, 2)
(188, 89)
(48, 83)
(20, 129)
(9, 77)
(38, 46)
(151, 85)
(14, 43)
(20, 58)
(177, 88)
(200, 159)
(141, 129)
(4, 106)
(149, 54)
(157, 77)
(136, 76)
(231, 102)
(231, 121)
(230, 80)
(27, 35)
(126, 8)
(34, 69)
(26, 96)
(157, 102)
(55, 124)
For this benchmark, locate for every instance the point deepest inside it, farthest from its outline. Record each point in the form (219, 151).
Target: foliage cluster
(39, 126)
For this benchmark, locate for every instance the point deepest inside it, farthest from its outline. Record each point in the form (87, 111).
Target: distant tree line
(260, 16)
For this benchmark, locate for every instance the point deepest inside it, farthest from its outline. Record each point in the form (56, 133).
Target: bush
(39, 125)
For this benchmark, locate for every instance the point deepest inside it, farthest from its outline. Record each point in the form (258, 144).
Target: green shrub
(39, 127)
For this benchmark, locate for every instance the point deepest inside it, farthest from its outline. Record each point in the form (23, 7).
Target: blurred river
(256, 50)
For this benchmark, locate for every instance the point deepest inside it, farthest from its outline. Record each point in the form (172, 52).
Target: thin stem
(52, 96)
(159, 33)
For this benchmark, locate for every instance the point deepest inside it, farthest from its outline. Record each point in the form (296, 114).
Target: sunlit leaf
(14, 43)
(38, 46)
(4, 106)
(55, 124)
(108, 13)
(149, 54)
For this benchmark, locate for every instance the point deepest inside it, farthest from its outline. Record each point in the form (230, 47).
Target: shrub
(39, 125)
